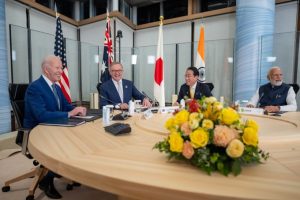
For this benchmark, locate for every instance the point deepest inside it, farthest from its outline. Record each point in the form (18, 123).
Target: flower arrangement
(212, 137)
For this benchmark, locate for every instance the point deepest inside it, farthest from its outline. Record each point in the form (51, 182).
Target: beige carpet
(17, 164)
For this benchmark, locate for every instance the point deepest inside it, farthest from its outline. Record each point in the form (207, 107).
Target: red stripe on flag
(66, 78)
(158, 74)
(65, 92)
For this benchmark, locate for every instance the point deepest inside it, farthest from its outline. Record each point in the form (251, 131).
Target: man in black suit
(192, 88)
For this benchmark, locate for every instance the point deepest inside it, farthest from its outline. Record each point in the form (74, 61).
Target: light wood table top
(127, 166)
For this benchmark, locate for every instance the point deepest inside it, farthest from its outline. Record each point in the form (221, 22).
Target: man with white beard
(274, 96)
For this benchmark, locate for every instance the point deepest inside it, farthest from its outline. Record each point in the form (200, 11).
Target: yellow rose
(235, 148)
(169, 123)
(229, 115)
(194, 123)
(250, 136)
(176, 142)
(194, 115)
(207, 124)
(181, 117)
(199, 138)
(251, 123)
(208, 111)
(210, 100)
(217, 106)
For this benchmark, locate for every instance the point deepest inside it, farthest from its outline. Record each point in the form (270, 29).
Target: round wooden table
(128, 166)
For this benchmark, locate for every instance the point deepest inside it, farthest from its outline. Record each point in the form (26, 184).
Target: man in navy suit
(44, 101)
(119, 91)
(192, 88)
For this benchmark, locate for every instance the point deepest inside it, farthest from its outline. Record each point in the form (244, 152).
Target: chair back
(17, 95)
(295, 87)
(210, 85)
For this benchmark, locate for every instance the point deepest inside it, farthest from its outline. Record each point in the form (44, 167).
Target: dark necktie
(56, 95)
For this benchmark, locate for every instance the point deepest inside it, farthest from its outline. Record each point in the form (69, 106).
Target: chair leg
(40, 173)
(29, 174)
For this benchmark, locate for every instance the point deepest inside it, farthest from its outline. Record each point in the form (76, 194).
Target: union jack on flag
(107, 52)
(60, 51)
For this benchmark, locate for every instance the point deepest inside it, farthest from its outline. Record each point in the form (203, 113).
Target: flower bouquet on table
(212, 137)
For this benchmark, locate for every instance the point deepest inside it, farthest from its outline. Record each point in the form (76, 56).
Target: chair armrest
(26, 132)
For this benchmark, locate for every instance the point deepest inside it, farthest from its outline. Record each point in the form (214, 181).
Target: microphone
(258, 102)
(103, 97)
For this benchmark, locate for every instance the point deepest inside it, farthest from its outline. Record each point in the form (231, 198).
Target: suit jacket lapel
(187, 91)
(125, 92)
(50, 93)
(115, 92)
(198, 94)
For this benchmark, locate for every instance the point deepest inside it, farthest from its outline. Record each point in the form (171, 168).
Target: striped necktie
(56, 95)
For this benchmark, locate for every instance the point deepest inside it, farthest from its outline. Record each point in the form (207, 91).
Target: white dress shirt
(119, 88)
(290, 100)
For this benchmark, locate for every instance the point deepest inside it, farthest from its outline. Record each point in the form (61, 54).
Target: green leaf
(214, 157)
(236, 167)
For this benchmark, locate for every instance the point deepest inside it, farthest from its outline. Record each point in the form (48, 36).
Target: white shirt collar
(47, 81)
(194, 86)
(116, 83)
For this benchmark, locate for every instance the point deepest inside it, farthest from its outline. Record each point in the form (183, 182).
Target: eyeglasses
(278, 75)
(189, 76)
(117, 71)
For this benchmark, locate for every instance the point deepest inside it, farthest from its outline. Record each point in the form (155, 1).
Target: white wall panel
(47, 24)
(285, 17)
(93, 33)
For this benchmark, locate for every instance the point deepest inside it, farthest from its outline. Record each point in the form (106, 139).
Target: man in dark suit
(119, 91)
(193, 89)
(44, 101)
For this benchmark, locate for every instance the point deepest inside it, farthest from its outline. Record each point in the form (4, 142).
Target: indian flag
(200, 60)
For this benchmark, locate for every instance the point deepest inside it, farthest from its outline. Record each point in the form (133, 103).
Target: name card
(253, 111)
(169, 109)
(148, 114)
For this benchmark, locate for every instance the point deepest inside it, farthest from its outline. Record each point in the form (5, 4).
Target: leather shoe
(49, 189)
(76, 184)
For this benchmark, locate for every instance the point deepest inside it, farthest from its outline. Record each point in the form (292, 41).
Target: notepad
(91, 115)
(64, 122)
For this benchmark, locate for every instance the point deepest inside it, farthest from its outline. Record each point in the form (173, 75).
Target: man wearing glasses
(274, 96)
(192, 88)
(119, 91)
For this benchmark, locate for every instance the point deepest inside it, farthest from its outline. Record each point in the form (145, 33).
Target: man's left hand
(146, 103)
(272, 108)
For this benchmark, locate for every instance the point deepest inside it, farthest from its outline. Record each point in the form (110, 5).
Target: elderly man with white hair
(274, 96)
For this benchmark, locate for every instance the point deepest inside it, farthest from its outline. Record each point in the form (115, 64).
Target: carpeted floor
(18, 164)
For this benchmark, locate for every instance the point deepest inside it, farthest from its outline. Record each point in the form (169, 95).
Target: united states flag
(107, 52)
(60, 51)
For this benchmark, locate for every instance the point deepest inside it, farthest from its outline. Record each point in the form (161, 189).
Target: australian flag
(107, 52)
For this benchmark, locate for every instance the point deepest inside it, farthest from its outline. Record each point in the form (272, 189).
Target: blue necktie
(56, 95)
